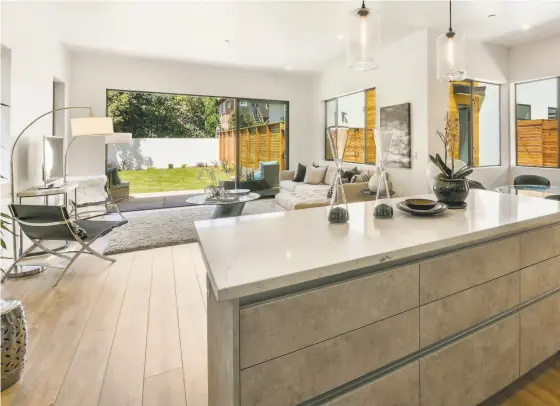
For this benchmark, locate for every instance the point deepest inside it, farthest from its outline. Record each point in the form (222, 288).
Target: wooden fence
(537, 143)
(264, 142)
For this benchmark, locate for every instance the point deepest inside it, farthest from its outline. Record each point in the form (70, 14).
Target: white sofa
(299, 195)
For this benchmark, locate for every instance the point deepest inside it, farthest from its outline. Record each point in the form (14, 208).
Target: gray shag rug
(161, 228)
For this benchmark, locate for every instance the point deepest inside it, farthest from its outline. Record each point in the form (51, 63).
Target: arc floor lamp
(91, 126)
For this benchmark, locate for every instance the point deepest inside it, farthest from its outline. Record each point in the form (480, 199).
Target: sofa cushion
(300, 174)
(288, 185)
(361, 177)
(314, 175)
(293, 201)
(307, 188)
(330, 175)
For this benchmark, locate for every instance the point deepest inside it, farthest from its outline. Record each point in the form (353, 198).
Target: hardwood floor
(134, 334)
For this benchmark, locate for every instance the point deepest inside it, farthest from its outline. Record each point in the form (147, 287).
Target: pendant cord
(450, 29)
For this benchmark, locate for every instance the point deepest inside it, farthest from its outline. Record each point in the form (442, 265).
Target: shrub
(183, 166)
(169, 166)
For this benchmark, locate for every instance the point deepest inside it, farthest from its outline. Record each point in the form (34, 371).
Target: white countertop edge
(463, 241)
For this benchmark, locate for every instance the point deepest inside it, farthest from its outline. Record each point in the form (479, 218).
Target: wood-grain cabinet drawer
(399, 388)
(537, 246)
(451, 273)
(281, 326)
(472, 369)
(304, 374)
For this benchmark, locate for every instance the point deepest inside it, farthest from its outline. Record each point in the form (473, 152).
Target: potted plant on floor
(451, 186)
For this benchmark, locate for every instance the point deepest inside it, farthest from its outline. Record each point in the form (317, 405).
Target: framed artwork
(552, 113)
(523, 111)
(395, 135)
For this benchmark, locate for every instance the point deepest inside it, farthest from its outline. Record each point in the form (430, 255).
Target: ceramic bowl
(420, 204)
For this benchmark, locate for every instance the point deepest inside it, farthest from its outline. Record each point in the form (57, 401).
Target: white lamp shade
(119, 138)
(91, 126)
(363, 40)
(451, 57)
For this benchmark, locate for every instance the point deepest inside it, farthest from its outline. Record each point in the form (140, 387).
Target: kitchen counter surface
(249, 255)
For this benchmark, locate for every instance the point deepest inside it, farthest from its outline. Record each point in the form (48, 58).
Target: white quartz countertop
(253, 254)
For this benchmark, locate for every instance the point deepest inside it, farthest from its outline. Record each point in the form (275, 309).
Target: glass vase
(338, 208)
(383, 208)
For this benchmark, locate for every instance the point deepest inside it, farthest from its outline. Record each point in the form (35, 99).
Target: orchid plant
(450, 141)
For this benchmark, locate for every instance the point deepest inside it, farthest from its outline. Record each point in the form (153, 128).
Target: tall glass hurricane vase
(383, 207)
(338, 210)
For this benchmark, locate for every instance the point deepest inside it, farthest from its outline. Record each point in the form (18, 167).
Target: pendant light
(451, 55)
(363, 39)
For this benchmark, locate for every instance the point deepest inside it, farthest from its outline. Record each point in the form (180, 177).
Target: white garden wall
(160, 152)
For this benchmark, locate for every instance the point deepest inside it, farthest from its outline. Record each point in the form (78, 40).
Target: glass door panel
(263, 140)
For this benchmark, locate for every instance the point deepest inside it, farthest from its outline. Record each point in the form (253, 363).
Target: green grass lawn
(165, 180)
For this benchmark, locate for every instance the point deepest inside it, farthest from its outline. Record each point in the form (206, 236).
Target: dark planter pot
(452, 192)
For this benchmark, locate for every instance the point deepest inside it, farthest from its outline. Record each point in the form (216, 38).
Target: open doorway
(179, 141)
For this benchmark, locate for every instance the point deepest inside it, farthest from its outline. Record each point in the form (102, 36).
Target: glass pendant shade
(364, 39)
(451, 57)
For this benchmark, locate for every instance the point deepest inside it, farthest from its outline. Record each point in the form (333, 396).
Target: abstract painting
(395, 135)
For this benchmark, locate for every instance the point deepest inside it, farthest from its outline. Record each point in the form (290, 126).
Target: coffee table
(224, 209)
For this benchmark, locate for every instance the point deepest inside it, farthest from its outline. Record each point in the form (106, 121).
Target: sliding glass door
(262, 140)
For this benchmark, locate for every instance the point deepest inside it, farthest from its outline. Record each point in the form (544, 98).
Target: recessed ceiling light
(340, 37)
(526, 27)
(288, 68)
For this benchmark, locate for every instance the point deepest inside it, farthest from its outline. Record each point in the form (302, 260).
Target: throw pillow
(314, 176)
(361, 177)
(80, 231)
(300, 173)
(330, 192)
(349, 174)
(330, 175)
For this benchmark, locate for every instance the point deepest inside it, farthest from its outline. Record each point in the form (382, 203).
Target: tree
(157, 115)
(246, 120)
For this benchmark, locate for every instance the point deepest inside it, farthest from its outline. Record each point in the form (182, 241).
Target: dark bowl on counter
(420, 204)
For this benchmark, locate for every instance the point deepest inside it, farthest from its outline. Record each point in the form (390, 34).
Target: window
(356, 111)
(537, 132)
(476, 106)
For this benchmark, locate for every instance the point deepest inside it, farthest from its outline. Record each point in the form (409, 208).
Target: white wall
(160, 152)
(37, 57)
(536, 60)
(93, 73)
(401, 78)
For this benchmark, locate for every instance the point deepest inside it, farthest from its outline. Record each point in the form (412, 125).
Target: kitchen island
(408, 311)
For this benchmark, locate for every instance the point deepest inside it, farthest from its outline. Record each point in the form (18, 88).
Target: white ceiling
(279, 34)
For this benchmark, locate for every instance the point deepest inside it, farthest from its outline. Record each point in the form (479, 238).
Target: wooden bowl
(420, 204)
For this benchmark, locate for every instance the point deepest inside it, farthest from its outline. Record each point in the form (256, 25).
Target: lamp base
(26, 270)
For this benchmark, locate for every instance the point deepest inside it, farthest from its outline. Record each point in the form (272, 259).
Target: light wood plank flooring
(132, 333)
